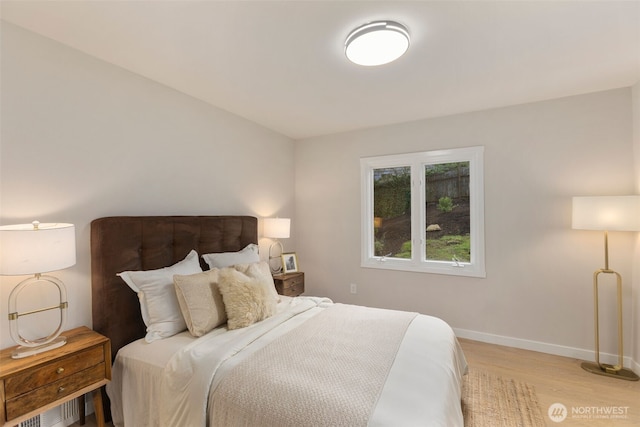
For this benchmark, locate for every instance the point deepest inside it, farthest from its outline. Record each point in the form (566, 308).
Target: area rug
(489, 400)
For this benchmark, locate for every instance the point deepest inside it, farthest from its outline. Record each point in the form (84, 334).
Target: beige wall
(635, 324)
(83, 139)
(537, 293)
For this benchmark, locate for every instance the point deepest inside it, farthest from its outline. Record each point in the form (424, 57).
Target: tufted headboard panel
(145, 243)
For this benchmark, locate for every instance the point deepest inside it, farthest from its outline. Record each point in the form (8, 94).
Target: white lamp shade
(27, 250)
(608, 213)
(277, 228)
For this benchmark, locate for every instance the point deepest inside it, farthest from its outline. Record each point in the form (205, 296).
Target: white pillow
(247, 255)
(158, 302)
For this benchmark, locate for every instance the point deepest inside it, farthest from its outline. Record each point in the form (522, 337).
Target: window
(424, 212)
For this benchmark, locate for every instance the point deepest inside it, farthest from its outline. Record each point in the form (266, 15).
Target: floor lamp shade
(607, 213)
(35, 249)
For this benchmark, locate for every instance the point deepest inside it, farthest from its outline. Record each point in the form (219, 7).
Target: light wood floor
(556, 380)
(559, 380)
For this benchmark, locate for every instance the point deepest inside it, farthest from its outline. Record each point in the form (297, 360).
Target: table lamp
(607, 213)
(276, 228)
(35, 249)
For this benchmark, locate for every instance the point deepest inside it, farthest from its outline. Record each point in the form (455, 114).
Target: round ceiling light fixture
(377, 43)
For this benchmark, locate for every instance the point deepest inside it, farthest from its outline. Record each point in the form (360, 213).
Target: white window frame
(417, 161)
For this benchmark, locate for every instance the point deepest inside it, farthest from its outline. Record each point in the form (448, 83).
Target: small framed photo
(289, 263)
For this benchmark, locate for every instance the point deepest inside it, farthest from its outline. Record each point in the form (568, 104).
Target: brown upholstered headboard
(145, 243)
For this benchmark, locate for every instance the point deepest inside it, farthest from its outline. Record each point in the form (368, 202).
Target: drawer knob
(60, 389)
(60, 370)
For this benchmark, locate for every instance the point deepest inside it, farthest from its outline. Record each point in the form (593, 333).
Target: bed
(301, 361)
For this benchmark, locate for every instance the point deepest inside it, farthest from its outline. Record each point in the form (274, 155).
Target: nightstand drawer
(53, 391)
(291, 284)
(294, 290)
(32, 385)
(53, 371)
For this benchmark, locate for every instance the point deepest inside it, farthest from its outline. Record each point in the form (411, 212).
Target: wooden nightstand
(291, 284)
(35, 384)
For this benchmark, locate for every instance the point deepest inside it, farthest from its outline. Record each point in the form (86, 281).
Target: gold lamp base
(610, 371)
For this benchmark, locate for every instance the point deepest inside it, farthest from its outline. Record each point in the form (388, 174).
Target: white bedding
(159, 383)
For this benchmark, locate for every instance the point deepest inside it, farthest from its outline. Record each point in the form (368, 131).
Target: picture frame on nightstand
(289, 263)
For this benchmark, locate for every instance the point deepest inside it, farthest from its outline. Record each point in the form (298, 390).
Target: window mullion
(417, 213)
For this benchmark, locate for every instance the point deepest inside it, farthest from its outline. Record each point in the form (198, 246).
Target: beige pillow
(200, 301)
(247, 300)
(262, 272)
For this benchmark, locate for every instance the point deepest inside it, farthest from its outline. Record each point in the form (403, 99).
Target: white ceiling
(281, 63)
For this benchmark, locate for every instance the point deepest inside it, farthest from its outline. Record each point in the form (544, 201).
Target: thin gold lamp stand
(607, 213)
(615, 371)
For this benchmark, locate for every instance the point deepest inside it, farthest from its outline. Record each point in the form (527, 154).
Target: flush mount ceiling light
(377, 43)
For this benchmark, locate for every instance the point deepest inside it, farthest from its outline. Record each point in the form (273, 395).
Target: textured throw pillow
(226, 259)
(247, 300)
(200, 301)
(262, 272)
(158, 302)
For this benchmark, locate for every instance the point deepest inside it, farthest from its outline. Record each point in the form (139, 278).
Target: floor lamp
(607, 213)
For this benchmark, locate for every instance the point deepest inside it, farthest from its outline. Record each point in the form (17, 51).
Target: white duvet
(169, 382)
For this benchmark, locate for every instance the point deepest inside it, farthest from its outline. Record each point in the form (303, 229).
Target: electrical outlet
(354, 288)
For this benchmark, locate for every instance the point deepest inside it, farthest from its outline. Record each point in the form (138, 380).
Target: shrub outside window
(424, 212)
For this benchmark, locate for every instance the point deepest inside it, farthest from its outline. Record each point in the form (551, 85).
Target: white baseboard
(542, 347)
